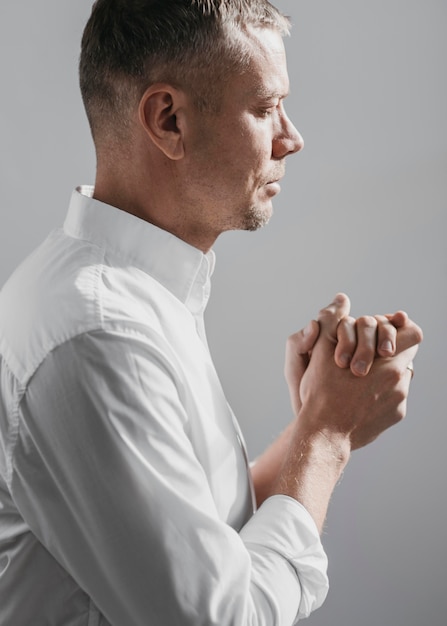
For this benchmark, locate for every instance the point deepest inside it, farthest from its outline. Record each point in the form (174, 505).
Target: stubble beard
(256, 218)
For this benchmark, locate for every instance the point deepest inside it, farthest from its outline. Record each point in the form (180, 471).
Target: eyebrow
(265, 94)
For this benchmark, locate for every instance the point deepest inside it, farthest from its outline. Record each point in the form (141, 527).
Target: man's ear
(158, 113)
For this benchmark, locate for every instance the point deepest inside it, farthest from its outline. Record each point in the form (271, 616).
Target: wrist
(327, 428)
(334, 447)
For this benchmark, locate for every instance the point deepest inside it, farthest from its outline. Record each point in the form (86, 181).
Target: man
(125, 494)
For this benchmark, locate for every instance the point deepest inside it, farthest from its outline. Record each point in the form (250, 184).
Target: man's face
(237, 156)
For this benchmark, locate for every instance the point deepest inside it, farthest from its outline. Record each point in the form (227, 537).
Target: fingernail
(387, 346)
(360, 367)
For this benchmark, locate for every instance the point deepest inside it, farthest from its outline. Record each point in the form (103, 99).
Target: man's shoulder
(48, 299)
(70, 286)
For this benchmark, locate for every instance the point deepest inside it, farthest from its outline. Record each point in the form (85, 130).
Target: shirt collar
(182, 269)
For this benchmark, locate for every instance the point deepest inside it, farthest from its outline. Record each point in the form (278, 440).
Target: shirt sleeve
(106, 477)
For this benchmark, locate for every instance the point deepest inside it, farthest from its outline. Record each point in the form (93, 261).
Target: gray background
(362, 210)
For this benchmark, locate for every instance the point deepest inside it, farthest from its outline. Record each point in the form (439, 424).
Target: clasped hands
(349, 376)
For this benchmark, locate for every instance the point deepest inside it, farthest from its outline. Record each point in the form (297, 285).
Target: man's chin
(258, 217)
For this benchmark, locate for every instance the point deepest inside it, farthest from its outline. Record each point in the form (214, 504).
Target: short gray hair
(128, 45)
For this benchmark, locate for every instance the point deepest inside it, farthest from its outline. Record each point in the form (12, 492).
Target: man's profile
(126, 496)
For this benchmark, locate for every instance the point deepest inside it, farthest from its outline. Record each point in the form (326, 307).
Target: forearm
(266, 468)
(304, 465)
(311, 468)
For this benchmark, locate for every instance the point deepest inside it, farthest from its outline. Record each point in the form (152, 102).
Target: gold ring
(410, 367)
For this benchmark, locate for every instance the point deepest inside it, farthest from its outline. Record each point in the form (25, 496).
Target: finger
(404, 362)
(408, 332)
(410, 368)
(398, 319)
(346, 341)
(306, 338)
(365, 352)
(330, 316)
(386, 336)
(298, 348)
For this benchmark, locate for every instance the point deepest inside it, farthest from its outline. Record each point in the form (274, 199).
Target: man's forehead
(268, 68)
(267, 82)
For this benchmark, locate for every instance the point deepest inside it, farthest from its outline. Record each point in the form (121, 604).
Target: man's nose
(288, 140)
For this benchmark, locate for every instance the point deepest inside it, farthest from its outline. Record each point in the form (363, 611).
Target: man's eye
(268, 111)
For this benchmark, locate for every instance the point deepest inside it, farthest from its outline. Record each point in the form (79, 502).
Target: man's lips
(272, 183)
(274, 186)
(276, 177)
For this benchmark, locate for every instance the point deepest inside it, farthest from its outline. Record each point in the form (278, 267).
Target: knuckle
(401, 395)
(367, 321)
(418, 335)
(401, 411)
(393, 384)
(398, 382)
(385, 327)
(395, 378)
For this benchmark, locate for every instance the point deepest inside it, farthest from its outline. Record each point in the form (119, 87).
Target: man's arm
(265, 470)
(109, 481)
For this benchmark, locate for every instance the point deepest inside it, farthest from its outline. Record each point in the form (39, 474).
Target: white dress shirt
(125, 497)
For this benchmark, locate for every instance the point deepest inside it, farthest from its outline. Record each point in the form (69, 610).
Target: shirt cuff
(284, 534)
